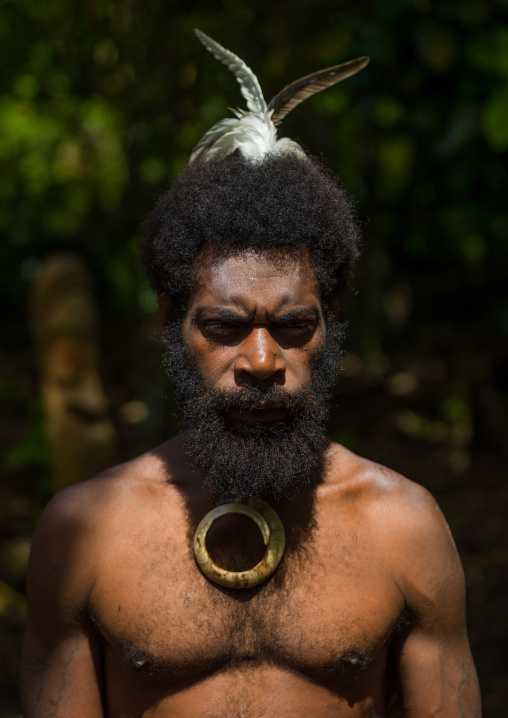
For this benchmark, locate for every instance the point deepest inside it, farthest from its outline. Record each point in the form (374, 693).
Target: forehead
(250, 278)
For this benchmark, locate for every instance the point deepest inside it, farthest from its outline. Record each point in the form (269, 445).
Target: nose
(259, 358)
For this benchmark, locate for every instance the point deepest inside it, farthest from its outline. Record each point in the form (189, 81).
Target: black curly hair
(232, 204)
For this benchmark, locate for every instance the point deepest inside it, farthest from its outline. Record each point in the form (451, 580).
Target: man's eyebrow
(291, 315)
(297, 314)
(222, 313)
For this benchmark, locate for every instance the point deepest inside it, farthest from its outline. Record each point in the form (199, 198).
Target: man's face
(255, 323)
(252, 372)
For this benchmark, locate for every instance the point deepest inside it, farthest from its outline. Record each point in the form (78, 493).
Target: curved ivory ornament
(274, 539)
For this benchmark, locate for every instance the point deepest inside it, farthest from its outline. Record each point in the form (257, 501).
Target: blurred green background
(101, 103)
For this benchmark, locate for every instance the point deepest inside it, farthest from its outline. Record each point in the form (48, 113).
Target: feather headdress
(254, 132)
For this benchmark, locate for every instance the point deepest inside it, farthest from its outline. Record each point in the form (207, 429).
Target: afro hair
(233, 204)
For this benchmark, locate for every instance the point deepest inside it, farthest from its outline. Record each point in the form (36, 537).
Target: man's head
(246, 260)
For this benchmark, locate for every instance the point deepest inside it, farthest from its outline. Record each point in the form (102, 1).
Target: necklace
(272, 530)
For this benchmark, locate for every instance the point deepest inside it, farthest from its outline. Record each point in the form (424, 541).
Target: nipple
(138, 661)
(354, 659)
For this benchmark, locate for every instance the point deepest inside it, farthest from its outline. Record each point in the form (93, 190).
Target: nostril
(261, 373)
(258, 380)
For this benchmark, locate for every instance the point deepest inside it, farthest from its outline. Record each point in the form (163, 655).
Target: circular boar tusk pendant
(274, 539)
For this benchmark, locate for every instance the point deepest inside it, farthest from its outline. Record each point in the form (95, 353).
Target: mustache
(247, 398)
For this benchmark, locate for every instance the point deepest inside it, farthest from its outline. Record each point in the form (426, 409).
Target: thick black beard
(258, 459)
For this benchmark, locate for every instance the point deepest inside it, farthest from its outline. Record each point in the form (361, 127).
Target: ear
(167, 309)
(334, 307)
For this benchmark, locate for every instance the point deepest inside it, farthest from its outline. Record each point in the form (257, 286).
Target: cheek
(212, 359)
(305, 359)
(299, 364)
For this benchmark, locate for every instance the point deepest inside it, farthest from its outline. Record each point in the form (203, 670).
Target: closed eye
(297, 327)
(221, 325)
(225, 332)
(294, 334)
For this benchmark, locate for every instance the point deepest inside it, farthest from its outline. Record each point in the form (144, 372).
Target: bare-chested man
(249, 259)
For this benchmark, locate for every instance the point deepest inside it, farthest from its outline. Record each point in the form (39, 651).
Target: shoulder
(383, 495)
(86, 505)
(80, 520)
(402, 521)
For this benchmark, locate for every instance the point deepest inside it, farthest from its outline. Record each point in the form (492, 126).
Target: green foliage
(102, 102)
(494, 125)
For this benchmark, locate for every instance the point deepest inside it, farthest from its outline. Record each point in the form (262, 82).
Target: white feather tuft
(253, 133)
(252, 136)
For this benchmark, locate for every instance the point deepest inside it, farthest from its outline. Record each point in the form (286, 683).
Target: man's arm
(436, 674)
(61, 665)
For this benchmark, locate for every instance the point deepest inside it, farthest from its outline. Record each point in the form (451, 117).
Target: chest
(329, 607)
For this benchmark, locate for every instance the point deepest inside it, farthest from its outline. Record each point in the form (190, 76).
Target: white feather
(252, 133)
(249, 84)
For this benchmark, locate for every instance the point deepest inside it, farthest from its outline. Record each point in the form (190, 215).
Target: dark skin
(122, 622)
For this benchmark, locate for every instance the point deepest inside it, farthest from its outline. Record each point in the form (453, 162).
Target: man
(248, 253)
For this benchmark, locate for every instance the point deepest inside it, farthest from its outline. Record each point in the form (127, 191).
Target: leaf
(494, 121)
